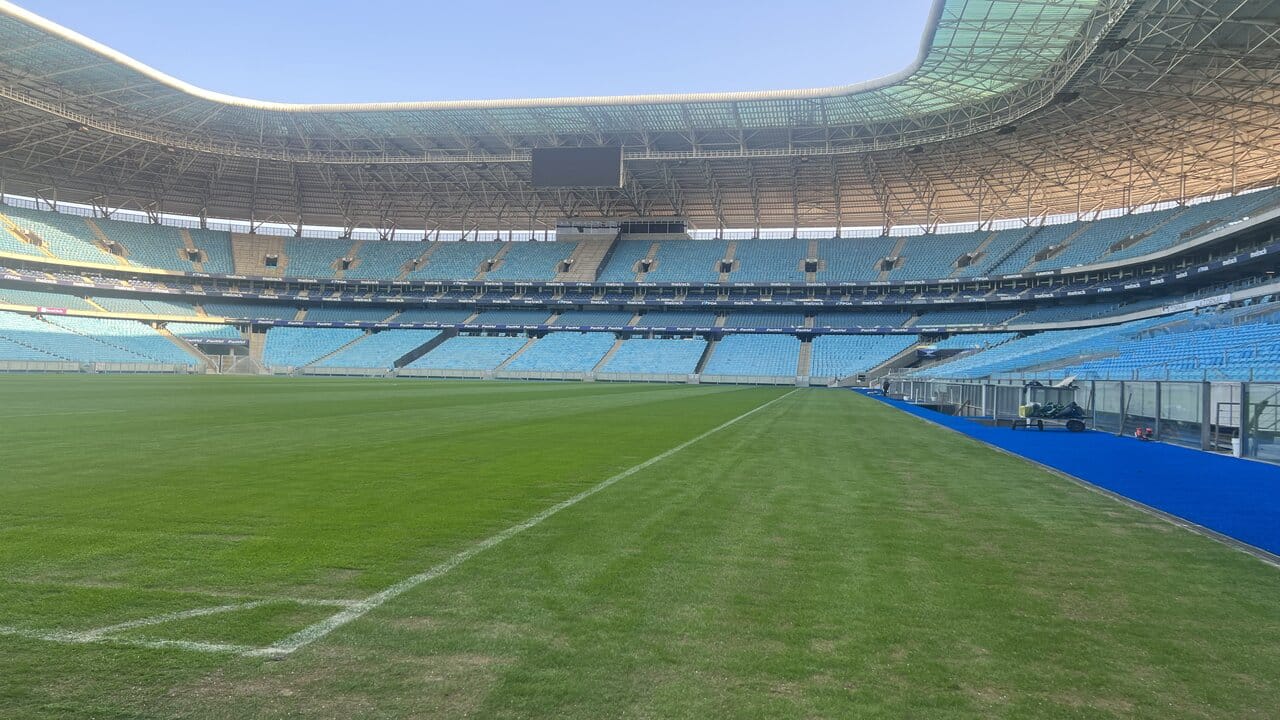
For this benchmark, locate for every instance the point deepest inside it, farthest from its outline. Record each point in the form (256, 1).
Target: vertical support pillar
(1124, 409)
(1206, 407)
(1159, 409)
(1244, 420)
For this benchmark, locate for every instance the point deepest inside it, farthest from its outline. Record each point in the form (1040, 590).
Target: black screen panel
(577, 167)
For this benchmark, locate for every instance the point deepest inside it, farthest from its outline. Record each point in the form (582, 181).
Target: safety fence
(1231, 417)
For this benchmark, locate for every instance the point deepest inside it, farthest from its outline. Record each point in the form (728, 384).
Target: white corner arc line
(318, 630)
(89, 635)
(60, 636)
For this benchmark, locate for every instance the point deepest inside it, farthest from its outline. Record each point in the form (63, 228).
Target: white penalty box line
(351, 609)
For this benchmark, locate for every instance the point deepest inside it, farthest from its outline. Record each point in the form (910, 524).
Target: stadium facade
(1105, 173)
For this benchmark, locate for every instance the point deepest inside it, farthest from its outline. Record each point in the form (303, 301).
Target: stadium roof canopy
(1013, 108)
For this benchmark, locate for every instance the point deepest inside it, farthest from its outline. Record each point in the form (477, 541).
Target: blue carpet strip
(1237, 498)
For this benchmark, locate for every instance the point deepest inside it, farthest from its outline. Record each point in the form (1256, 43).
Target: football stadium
(950, 394)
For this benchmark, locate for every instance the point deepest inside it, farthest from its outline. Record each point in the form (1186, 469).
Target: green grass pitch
(822, 557)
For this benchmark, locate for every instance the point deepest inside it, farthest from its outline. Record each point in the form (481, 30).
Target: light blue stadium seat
(564, 352)
(532, 260)
(470, 352)
(844, 355)
(656, 356)
(381, 349)
(295, 346)
(755, 355)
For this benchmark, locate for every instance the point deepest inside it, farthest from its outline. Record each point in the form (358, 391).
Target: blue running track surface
(1237, 498)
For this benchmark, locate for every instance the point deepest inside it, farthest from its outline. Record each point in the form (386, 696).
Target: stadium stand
(456, 261)
(470, 352)
(677, 318)
(66, 236)
(294, 347)
(755, 355)
(969, 315)
(313, 257)
(59, 343)
(383, 259)
(861, 318)
(143, 306)
(688, 261)
(656, 356)
(347, 314)
(564, 352)
(927, 257)
(842, 355)
(764, 318)
(380, 350)
(594, 317)
(203, 331)
(250, 310)
(40, 298)
(973, 341)
(443, 316)
(770, 261)
(621, 264)
(131, 336)
(853, 259)
(513, 317)
(532, 260)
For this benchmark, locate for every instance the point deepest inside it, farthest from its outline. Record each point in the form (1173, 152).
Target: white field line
(168, 617)
(81, 639)
(318, 630)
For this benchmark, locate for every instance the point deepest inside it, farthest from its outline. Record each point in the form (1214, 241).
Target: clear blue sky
(387, 50)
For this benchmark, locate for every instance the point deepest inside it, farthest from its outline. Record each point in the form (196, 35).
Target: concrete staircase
(190, 245)
(422, 260)
(805, 361)
(528, 344)
(496, 261)
(249, 253)
(813, 253)
(729, 253)
(895, 252)
(209, 364)
(650, 256)
(608, 356)
(706, 356)
(587, 259)
(21, 236)
(104, 243)
(1066, 242)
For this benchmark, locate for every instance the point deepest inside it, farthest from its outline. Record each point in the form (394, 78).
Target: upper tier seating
(765, 318)
(144, 306)
(852, 259)
(295, 347)
(384, 259)
(861, 318)
(688, 261)
(755, 355)
(380, 350)
(622, 261)
(970, 314)
(162, 246)
(470, 352)
(1000, 246)
(657, 356)
(250, 310)
(131, 336)
(933, 256)
(456, 261)
(444, 316)
(532, 260)
(770, 261)
(564, 352)
(972, 341)
(66, 236)
(843, 355)
(314, 258)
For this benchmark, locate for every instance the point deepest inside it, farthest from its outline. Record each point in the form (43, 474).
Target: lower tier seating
(657, 356)
(295, 347)
(380, 350)
(755, 355)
